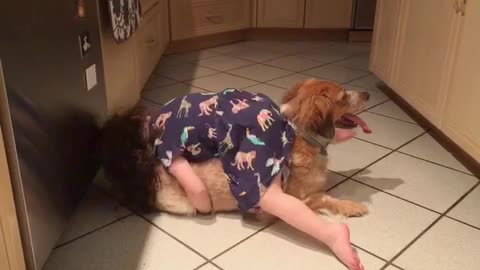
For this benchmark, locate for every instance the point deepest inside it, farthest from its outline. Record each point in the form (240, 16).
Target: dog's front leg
(319, 201)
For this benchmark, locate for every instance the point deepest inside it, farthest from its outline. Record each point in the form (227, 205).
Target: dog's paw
(352, 209)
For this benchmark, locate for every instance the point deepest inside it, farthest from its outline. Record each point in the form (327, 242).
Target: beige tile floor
(424, 204)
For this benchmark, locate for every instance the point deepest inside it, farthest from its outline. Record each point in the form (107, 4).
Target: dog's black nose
(365, 95)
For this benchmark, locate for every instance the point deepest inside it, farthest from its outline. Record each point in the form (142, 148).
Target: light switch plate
(91, 76)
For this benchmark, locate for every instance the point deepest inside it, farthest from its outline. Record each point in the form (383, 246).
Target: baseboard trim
(360, 35)
(466, 159)
(208, 41)
(298, 34)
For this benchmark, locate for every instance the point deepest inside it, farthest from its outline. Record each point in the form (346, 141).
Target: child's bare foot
(341, 247)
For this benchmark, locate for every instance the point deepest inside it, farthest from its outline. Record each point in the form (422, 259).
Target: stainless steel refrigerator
(52, 105)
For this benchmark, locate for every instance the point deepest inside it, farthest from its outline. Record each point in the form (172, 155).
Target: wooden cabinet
(150, 41)
(191, 18)
(460, 120)
(128, 65)
(385, 39)
(423, 63)
(11, 252)
(433, 63)
(281, 13)
(119, 71)
(329, 13)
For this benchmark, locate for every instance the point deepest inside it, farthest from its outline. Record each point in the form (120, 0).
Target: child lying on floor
(253, 154)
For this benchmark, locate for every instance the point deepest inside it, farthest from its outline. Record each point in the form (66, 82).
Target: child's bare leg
(195, 189)
(294, 212)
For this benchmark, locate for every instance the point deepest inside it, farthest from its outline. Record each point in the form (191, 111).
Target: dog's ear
(289, 100)
(316, 115)
(292, 92)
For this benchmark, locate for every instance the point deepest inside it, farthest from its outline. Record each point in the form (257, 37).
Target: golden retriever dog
(312, 106)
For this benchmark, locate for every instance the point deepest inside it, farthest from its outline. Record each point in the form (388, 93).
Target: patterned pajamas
(244, 130)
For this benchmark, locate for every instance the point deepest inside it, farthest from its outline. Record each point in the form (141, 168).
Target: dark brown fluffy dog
(313, 106)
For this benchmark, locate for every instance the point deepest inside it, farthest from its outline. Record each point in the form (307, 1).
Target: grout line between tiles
(173, 81)
(242, 241)
(254, 79)
(92, 231)
(226, 70)
(138, 214)
(376, 144)
(216, 265)
(400, 268)
(369, 252)
(410, 155)
(379, 159)
(463, 222)
(396, 196)
(387, 116)
(373, 106)
(201, 265)
(433, 162)
(208, 263)
(172, 236)
(193, 62)
(363, 76)
(444, 214)
(147, 99)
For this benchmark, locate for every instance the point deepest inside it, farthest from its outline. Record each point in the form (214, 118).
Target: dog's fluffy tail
(128, 157)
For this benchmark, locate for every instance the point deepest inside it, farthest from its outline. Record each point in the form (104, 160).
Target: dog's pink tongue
(359, 121)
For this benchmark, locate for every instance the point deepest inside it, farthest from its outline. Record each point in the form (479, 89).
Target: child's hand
(200, 198)
(195, 189)
(342, 135)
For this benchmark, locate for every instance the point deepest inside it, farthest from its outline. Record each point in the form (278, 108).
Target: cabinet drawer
(197, 18)
(328, 14)
(281, 13)
(149, 44)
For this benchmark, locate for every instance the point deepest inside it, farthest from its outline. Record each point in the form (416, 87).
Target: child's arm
(342, 135)
(195, 189)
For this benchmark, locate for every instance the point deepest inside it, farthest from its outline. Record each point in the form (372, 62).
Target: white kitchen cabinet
(280, 13)
(423, 62)
(460, 120)
(151, 40)
(427, 52)
(128, 65)
(385, 38)
(193, 18)
(329, 14)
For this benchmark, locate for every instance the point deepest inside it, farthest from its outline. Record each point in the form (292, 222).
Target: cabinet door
(11, 252)
(384, 40)
(460, 121)
(193, 18)
(119, 69)
(150, 43)
(280, 13)
(329, 13)
(424, 60)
